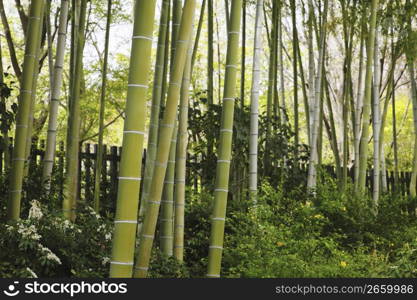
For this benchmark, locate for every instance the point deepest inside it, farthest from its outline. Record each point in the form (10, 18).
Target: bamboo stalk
(22, 118)
(224, 152)
(131, 157)
(167, 127)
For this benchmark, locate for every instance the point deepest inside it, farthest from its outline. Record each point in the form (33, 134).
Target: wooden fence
(111, 160)
(88, 155)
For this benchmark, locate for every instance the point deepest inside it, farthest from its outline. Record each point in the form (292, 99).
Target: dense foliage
(286, 234)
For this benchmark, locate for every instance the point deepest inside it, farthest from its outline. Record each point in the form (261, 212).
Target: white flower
(28, 232)
(35, 211)
(33, 274)
(105, 260)
(93, 212)
(49, 254)
(107, 236)
(67, 225)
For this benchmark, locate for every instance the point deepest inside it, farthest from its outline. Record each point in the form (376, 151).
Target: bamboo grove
(217, 97)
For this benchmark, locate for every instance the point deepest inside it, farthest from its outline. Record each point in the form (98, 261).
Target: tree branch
(9, 40)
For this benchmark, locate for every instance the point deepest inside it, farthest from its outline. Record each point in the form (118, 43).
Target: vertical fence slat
(88, 186)
(113, 172)
(104, 172)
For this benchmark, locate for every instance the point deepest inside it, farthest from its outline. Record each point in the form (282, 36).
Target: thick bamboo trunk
(243, 57)
(23, 114)
(131, 157)
(225, 146)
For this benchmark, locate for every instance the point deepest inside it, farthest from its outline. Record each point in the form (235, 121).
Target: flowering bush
(47, 245)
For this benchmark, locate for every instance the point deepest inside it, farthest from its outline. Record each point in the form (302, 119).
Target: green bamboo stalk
(363, 149)
(210, 76)
(166, 133)
(181, 158)
(73, 128)
(210, 59)
(131, 157)
(22, 119)
(29, 132)
(99, 158)
(254, 117)
(197, 38)
(29, 138)
(225, 146)
(157, 96)
(167, 203)
(227, 13)
(176, 21)
(243, 56)
(50, 148)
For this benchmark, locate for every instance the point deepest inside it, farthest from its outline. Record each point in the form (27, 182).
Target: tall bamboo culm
(48, 160)
(167, 202)
(166, 133)
(121, 264)
(157, 95)
(22, 119)
(225, 146)
(73, 129)
(254, 120)
(182, 140)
